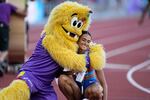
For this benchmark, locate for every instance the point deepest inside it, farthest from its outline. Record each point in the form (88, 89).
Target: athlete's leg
(94, 92)
(69, 87)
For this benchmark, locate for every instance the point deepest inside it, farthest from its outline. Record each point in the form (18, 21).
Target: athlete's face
(84, 42)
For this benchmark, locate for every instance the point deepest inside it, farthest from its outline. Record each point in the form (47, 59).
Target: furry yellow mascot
(56, 47)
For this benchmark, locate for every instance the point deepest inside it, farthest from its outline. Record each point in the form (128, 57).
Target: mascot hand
(97, 56)
(95, 47)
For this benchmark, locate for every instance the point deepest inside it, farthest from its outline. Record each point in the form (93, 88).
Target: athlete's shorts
(89, 82)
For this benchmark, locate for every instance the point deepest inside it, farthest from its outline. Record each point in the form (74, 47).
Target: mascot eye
(80, 23)
(74, 21)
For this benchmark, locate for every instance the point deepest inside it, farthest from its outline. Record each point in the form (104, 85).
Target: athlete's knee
(62, 79)
(94, 91)
(65, 82)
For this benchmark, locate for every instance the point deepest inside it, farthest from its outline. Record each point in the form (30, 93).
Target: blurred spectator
(49, 4)
(6, 10)
(145, 11)
(26, 21)
(135, 6)
(119, 4)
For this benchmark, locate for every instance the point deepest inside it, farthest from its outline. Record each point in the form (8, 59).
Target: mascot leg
(17, 90)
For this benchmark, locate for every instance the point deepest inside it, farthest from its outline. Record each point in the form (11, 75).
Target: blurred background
(103, 9)
(115, 24)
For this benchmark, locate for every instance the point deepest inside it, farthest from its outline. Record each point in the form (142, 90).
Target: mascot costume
(56, 47)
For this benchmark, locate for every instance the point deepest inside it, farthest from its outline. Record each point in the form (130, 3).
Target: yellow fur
(61, 55)
(17, 90)
(63, 47)
(59, 44)
(97, 56)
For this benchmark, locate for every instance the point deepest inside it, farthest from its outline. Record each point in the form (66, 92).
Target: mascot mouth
(70, 33)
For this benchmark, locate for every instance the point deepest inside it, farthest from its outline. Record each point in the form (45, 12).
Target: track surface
(128, 57)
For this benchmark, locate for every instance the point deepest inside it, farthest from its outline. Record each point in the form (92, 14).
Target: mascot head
(66, 23)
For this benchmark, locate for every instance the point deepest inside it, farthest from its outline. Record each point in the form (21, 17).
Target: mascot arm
(97, 56)
(63, 56)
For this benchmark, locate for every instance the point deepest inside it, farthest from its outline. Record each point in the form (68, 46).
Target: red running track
(127, 48)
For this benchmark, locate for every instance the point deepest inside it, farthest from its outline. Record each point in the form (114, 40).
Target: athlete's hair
(84, 32)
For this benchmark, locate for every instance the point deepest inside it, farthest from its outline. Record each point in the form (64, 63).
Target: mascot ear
(90, 11)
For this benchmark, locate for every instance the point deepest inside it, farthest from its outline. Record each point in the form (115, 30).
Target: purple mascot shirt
(40, 70)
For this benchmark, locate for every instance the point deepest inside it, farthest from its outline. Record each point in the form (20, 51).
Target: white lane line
(128, 48)
(132, 81)
(117, 66)
(148, 68)
(118, 38)
(122, 66)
